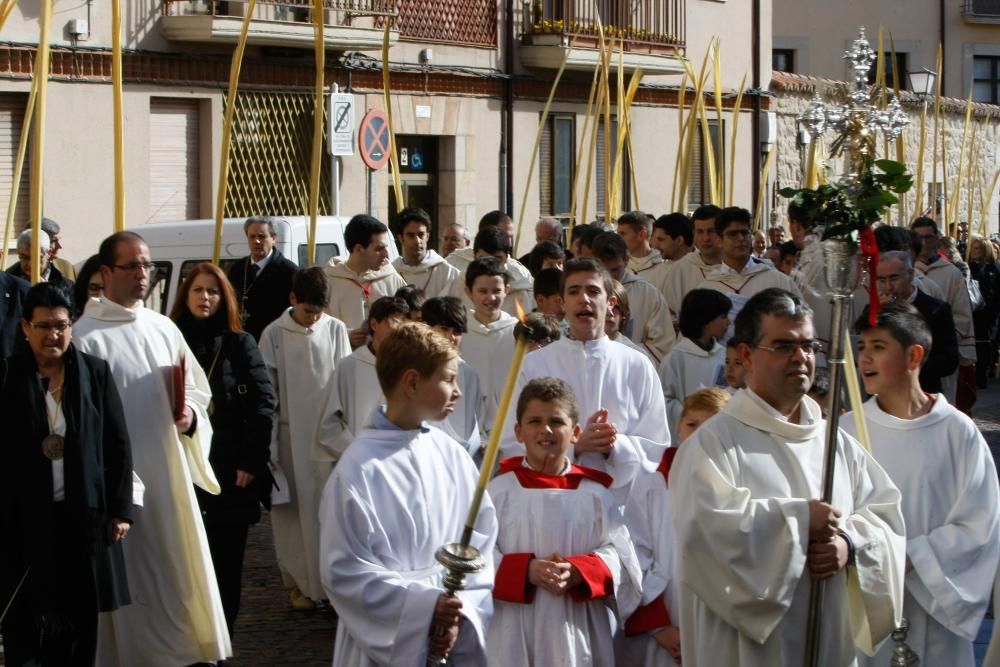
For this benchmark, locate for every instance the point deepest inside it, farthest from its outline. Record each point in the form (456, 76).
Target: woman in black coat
(983, 268)
(65, 491)
(242, 412)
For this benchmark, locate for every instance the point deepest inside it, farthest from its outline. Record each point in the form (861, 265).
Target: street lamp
(922, 84)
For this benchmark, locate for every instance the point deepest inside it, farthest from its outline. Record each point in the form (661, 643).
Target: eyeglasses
(787, 348)
(47, 327)
(737, 233)
(135, 267)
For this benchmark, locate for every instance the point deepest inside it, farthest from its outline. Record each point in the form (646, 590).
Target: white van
(177, 247)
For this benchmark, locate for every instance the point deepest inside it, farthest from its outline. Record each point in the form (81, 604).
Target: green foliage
(848, 208)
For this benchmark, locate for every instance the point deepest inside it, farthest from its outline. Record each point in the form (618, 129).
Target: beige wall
(821, 31)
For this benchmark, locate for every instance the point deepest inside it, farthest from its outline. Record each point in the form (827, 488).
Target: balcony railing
(985, 10)
(468, 22)
(339, 12)
(651, 26)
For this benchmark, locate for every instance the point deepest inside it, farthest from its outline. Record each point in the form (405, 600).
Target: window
(626, 182)
(699, 187)
(890, 81)
(986, 79)
(12, 106)
(556, 161)
(324, 253)
(783, 60)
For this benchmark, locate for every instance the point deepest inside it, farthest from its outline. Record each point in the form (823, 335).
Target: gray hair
(24, 241)
(268, 220)
(901, 256)
(552, 223)
(50, 226)
(772, 301)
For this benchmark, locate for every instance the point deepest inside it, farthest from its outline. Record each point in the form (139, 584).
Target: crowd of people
(657, 498)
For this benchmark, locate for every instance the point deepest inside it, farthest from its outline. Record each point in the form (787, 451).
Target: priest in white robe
(693, 268)
(750, 533)
(176, 617)
(948, 481)
(617, 388)
(301, 352)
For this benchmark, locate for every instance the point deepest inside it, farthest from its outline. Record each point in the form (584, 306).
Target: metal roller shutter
(12, 107)
(174, 164)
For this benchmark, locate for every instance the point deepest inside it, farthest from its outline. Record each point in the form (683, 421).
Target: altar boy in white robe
(752, 535)
(302, 350)
(945, 473)
(567, 573)
(401, 490)
(617, 387)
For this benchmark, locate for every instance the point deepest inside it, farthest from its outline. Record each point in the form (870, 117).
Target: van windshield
(324, 253)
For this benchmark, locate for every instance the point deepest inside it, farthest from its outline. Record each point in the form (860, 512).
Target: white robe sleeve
(334, 435)
(267, 353)
(659, 335)
(197, 446)
(656, 568)
(756, 545)
(953, 562)
(875, 528)
(671, 374)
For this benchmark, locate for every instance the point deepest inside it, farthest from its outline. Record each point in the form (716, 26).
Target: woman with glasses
(241, 412)
(65, 491)
(89, 285)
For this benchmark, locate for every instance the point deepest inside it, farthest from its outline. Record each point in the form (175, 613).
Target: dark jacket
(55, 277)
(12, 293)
(987, 274)
(266, 297)
(243, 405)
(97, 474)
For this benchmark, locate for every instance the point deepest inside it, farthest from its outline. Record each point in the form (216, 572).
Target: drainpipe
(507, 124)
(944, 50)
(755, 98)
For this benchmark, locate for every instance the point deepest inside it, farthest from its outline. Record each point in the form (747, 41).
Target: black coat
(55, 277)
(988, 275)
(12, 293)
(266, 298)
(97, 476)
(243, 405)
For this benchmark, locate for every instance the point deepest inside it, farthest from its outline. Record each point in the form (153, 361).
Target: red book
(177, 381)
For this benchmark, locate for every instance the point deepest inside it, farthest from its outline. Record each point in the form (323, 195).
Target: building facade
(469, 80)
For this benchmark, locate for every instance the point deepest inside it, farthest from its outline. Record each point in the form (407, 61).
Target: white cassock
(394, 498)
(521, 284)
(740, 487)
(176, 615)
(353, 397)
(572, 514)
(739, 286)
(609, 375)
(433, 274)
(352, 294)
(688, 272)
(955, 291)
(489, 348)
(301, 362)
(686, 369)
(650, 325)
(948, 482)
(652, 268)
(649, 518)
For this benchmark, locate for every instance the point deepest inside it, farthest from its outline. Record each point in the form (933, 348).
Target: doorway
(418, 175)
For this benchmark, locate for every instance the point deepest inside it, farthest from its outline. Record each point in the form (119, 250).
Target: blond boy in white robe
(566, 569)
(945, 473)
(402, 490)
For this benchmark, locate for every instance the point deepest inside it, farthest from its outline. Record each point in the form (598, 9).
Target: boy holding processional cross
(399, 492)
(566, 569)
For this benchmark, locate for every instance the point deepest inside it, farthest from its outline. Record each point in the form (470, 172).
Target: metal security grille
(472, 22)
(271, 155)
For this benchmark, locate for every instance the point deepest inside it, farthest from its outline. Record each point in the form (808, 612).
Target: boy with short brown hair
(399, 492)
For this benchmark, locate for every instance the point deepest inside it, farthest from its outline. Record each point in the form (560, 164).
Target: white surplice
(489, 348)
(653, 269)
(948, 482)
(688, 272)
(355, 393)
(740, 285)
(176, 615)
(394, 498)
(581, 520)
(521, 284)
(609, 375)
(740, 488)
(433, 274)
(687, 368)
(301, 362)
(649, 518)
(352, 294)
(650, 325)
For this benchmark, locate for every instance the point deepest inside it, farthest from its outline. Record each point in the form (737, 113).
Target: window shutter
(12, 106)
(174, 159)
